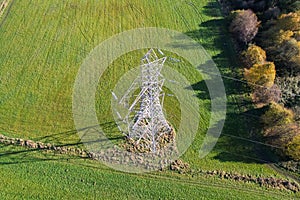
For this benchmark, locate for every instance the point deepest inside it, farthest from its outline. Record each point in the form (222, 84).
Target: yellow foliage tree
(293, 148)
(290, 21)
(254, 55)
(282, 36)
(261, 74)
(283, 29)
(277, 115)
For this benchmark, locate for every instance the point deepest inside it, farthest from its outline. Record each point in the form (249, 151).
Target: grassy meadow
(43, 44)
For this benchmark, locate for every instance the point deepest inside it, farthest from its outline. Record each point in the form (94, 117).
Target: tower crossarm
(134, 86)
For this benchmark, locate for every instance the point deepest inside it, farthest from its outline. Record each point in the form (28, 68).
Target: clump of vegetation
(293, 148)
(290, 89)
(253, 55)
(142, 146)
(280, 38)
(244, 25)
(265, 95)
(180, 166)
(261, 74)
(282, 131)
(276, 44)
(277, 115)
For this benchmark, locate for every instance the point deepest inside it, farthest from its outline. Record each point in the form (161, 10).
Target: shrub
(290, 90)
(244, 25)
(285, 138)
(288, 22)
(277, 115)
(253, 55)
(261, 74)
(282, 135)
(293, 148)
(279, 39)
(264, 95)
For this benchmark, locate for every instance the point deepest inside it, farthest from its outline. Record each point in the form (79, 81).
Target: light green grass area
(43, 44)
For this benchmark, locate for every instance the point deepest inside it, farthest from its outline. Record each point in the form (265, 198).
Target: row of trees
(268, 36)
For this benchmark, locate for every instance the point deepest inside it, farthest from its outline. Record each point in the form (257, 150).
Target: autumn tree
(244, 25)
(281, 41)
(288, 5)
(277, 115)
(261, 74)
(283, 138)
(265, 95)
(277, 31)
(281, 135)
(287, 55)
(290, 21)
(253, 55)
(293, 148)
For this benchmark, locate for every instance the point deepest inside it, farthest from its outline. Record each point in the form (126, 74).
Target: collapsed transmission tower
(145, 120)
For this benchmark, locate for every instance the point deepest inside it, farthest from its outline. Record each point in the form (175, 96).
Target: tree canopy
(244, 25)
(253, 55)
(261, 74)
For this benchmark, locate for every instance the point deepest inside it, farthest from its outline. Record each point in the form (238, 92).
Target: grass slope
(43, 44)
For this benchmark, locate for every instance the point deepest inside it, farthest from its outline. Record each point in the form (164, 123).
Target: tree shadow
(13, 155)
(239, 140)
(215, 38)
(201, 89)
(212, 9)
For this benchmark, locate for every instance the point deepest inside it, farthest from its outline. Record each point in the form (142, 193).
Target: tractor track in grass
(188, 181)
(196, 10)
(5, 6)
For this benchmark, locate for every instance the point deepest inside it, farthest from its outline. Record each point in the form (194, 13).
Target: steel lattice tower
(148, 123)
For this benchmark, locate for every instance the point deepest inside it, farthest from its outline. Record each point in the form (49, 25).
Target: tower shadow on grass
(10, 154)
(68, 137)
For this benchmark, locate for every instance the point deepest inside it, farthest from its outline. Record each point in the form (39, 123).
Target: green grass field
(43, 44)
(36, 175)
